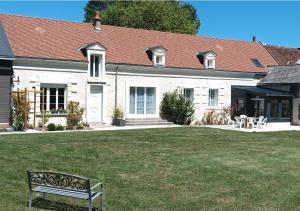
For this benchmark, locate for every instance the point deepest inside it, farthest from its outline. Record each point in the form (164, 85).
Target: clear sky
(272, 22)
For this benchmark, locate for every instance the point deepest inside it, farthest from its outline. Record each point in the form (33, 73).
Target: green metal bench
(62, 184)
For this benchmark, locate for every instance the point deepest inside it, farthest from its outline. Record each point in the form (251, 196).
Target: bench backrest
(58, 180)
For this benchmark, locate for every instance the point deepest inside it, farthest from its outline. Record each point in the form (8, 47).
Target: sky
(272, 22)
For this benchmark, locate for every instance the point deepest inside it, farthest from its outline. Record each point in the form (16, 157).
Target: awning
(263, 91)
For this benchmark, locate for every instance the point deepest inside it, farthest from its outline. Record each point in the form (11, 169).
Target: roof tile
(56, 39)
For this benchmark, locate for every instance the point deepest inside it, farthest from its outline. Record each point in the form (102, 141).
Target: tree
(169, 16)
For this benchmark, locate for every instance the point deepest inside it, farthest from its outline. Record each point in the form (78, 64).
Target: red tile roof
(56, 39)
(284, 56)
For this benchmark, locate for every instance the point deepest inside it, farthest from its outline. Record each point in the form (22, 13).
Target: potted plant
(118, 117)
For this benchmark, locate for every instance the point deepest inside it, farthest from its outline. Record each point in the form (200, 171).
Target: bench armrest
(99, 184)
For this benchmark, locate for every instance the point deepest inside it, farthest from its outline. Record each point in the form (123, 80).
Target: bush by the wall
(19, 112)
(74, 114)
(176, 108)
(18, 121)
(51, 127)
(59, 127)
(118, 113)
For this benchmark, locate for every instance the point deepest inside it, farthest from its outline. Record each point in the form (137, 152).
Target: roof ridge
(32, 17)
(280, 46)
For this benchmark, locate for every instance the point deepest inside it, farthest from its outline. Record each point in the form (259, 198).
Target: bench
(62, 184)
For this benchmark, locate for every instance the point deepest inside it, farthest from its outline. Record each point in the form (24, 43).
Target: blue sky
(272, 22)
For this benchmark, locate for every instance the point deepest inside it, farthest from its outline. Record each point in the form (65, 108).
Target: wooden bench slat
(62, 192)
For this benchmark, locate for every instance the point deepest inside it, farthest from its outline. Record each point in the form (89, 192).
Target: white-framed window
(54, 98)
(159, 60)
(210, 63)
(188, 93)
(213, 97)
(96, 65)
(142, 100)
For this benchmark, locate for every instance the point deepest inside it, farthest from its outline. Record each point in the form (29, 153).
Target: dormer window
(208, 59)
(157, 55)
(159, 60)
(210, 63)
(96, 68)
(95, 53)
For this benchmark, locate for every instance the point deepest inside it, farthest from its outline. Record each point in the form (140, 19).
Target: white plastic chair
(258, 121)
(230, 122)
(262, 122)
(239, 122)
(250, 122)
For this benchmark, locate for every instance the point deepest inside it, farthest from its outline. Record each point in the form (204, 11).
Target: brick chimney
(97, 21)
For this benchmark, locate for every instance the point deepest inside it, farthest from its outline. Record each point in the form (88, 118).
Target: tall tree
(170, 16)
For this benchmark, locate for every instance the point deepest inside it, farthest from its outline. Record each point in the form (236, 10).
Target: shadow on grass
(40, 203)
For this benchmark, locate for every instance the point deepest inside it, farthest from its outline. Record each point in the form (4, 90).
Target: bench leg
(101, 202)
(90, 205)
(30, 199)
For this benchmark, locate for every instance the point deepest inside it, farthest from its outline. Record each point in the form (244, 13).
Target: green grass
(162, 169)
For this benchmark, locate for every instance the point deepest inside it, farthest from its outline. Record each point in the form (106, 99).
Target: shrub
(209, 117)
(217, 117)
(20, 110)
(176, 108)
(80, 126)
(45, 116)
(74, 114)
(51, 127)
(18, 121)
(59, 127)
(118, 113)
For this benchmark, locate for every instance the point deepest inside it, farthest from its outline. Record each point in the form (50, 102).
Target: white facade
(74, 82)
(162, 84)
(138, 94)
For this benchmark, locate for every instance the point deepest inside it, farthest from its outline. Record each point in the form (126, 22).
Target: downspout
(116, 87)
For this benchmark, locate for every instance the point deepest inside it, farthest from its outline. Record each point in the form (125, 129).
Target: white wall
(74, 80)
(164, 84)
(76, 83)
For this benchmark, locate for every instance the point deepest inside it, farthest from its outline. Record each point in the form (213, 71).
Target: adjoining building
(6, 73)
(276, 96)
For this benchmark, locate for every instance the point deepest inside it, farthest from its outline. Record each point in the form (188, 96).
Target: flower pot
(119, 122)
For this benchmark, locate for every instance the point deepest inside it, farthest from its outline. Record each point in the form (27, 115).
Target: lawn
(160, 169)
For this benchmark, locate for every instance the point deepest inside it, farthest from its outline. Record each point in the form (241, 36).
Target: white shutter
(221, 97)
(197, 95)
(205, 95)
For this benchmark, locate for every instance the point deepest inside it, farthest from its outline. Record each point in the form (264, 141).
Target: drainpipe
(116, 87)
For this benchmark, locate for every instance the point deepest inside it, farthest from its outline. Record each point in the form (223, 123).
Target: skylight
(257, 63)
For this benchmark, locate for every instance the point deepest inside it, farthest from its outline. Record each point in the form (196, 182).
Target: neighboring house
(6, 72)
(277, 95)
(284, 56)
(287, 79)
(107, 66)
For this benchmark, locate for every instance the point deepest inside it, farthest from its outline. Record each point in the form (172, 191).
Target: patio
(271, 127)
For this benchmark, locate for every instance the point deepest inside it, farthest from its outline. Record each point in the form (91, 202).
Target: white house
(104, 66)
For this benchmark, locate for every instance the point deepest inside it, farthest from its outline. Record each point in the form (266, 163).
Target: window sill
(213, 108)
(54, 115)
(97, 80)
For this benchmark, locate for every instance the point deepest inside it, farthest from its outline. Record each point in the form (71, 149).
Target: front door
(94, 104)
